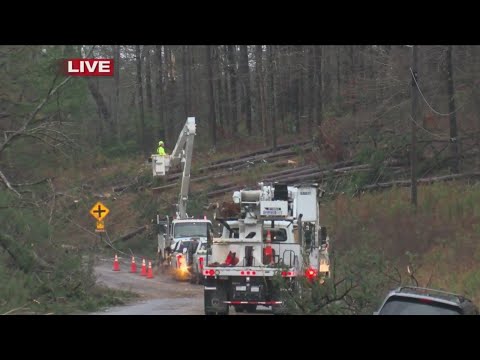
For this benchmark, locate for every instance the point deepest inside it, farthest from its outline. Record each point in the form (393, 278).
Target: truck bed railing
(290, 256)
(249, 259)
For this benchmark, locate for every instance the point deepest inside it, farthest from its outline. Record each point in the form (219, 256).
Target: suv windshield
(397, 305)
(190, 230)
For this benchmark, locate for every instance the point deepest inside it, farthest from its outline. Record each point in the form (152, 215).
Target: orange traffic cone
(143, 271)
(268, 241)
(116, 264)
(133, 267)
(150, 271)
(267, 250)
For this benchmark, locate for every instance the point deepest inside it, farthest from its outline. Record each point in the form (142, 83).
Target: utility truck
(182, 227)
(276, 239)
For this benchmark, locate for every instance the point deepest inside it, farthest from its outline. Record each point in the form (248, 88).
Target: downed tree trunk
(216, 176)
(241, 163)
(429, 180)
(313, 175)
(25, 259)
(121, 188)
(262, 151)
(131, 234)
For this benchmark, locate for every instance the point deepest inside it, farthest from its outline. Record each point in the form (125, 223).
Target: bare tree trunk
(413, 120)
(211, 99)
(233, 87)
(281, 91)
(453, 116)
(259, 81)
(148, 80)
(245, 78)
(186, 105)
(160, 94)
(319, 76)
(99, 100)
(271, 94)
(352, 73)
(102, 109)
(141, 129)
(310, 86)
(116, 104)
(226, 91)
(196, 77)
(190, 62)
(220, 98)
(339, 80)
(297, 86)
(171, 96)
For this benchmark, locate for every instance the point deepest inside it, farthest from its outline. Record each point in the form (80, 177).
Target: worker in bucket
(161, 149)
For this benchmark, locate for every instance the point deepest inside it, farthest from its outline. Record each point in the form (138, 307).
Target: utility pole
(414, 119)
(453, 117)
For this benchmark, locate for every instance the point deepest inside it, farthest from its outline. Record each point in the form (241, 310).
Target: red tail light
(210, 272)
(427, 301)
(200, 263)
(310, 273)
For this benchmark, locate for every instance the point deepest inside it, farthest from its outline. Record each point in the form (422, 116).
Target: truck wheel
(279, 309)
(214, 301)
(224, 312)
(238, 308)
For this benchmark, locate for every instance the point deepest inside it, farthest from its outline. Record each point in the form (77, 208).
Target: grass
(65, 291)
(441, 234)
(440, 237)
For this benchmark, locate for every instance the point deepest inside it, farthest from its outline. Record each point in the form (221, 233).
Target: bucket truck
(181, 227)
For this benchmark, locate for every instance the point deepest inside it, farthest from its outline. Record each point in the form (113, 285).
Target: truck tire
(249, 308)
(238, 308)
(214, 301)
(282, 308)
(279, 309)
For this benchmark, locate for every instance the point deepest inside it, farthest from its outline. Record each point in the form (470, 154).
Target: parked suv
(410, 300)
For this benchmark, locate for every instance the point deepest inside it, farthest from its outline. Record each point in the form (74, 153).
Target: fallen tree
(429, 180)
(131, 234)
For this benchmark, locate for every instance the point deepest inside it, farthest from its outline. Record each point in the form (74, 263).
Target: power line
(426, 102)
(427, 131)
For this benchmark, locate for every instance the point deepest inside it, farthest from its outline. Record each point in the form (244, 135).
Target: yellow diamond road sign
(99, 211)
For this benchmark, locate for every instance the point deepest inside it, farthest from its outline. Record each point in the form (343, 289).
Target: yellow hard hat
(160, 142)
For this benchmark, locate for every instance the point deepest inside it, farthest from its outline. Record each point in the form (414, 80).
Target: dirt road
(161, 295)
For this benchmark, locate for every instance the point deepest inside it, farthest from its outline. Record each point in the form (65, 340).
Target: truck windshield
(413, 306)
(190, 230)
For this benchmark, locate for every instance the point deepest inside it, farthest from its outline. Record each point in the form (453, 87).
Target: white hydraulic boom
(182, 153)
